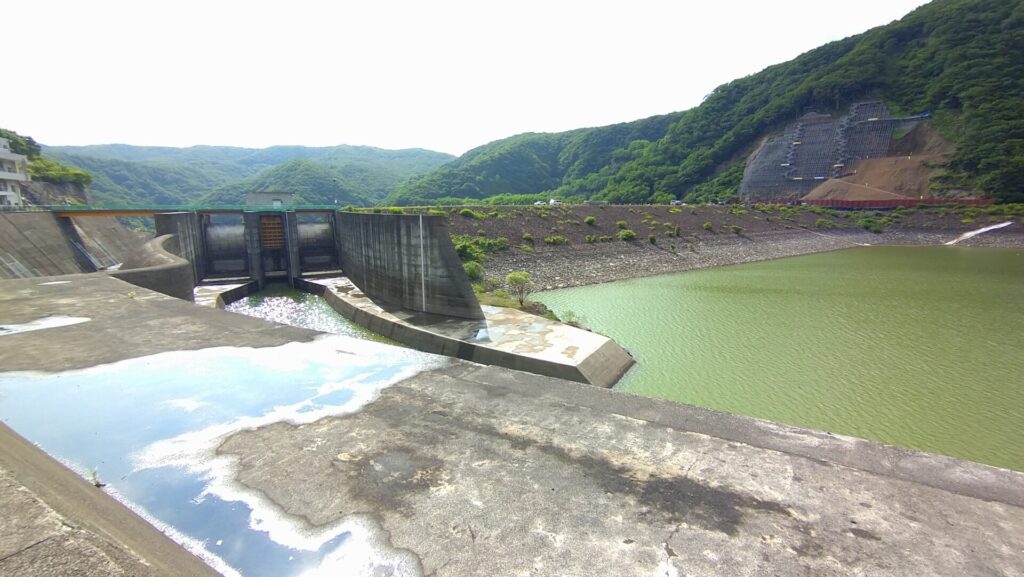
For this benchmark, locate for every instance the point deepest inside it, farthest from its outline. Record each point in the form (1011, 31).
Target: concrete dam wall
(407, 261)
(36, 244)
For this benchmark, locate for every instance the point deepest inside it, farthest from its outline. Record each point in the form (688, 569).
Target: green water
(915, 346)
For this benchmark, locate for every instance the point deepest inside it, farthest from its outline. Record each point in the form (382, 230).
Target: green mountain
(529, 163)
(963, 60)
(137, 175)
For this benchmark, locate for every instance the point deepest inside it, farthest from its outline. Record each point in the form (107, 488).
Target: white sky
(442, 75)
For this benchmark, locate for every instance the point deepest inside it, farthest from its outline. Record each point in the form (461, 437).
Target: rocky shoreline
(579, 265)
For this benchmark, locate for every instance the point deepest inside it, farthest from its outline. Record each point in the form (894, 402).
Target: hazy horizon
(444, 76)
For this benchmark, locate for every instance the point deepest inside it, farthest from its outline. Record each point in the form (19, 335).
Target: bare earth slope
(917, 158)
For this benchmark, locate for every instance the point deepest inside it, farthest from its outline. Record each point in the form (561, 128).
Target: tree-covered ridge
(528, 163)
(40, 168)
(963, 60)
(135, 175)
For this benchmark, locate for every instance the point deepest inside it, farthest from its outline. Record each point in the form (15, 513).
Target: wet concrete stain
(388, 477)
(391, 477)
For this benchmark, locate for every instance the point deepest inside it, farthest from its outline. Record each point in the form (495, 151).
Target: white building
(13, 172)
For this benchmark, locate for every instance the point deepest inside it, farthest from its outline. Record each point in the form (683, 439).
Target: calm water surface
(915, 346)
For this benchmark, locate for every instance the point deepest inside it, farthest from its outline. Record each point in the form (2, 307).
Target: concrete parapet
(154, 266)
(406, 261)
(505, 337)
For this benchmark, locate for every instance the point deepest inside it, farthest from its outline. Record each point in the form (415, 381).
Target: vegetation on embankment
(963, 60)
(571, 245)
(44, 169)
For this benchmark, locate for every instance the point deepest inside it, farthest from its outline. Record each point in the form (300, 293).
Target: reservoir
(913, 346)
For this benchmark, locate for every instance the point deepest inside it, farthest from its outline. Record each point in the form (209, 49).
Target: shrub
(626, 234)
(470, 213)
(824, 223)
(520, 285)
(436, 212)
(474, 270)
(590, 220)
(527, 237)
(677, 230)
(736, 229)
(652, 239)
(556, 239)
(395, 210)
(591, 239)
(621, 225)
(526, 248)
(470, 248)
(709, 227)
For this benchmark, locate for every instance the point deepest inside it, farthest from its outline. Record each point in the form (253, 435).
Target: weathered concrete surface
(218, 296)
(485, 471)
(504, 337)
(406, 261)
(481, 478)
(156, 266)
(126, 321)
(53, 523)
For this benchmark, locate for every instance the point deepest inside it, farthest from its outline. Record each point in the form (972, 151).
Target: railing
(85, 208)
(897, 202)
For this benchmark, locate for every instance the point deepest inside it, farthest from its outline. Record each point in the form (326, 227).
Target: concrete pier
(474, 470)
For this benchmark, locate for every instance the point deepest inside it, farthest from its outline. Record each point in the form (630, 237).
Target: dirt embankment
(737, 234)
(916, 158)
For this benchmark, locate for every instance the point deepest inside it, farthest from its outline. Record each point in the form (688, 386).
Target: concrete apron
(506, 337)
(474, 470)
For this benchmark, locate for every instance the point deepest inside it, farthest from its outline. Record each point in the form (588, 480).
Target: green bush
(474, 270)
(652, 239)
(825, 223)
(395, 210)
(626, 234)
(436, 212)
(621, 225)
(735, 228)
(556, 239)
(709, 227)
(470, 213)
(527, 237)
(591, 220)
(476, 248)
(526, 248)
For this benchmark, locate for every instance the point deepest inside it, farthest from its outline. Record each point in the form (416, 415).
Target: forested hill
(135, 175)
(963, 60)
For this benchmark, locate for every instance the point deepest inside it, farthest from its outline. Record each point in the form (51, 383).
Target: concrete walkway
(473, 470)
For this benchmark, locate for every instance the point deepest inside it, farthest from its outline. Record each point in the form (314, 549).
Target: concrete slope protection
(442, 467)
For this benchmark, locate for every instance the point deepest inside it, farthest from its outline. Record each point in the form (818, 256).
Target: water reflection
(149, 428)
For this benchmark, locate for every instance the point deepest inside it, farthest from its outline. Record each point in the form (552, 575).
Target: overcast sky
(441, 75)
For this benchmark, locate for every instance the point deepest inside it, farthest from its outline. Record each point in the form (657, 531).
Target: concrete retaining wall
(36, 244)
(406, 261)
(154, 266)
(603, 368)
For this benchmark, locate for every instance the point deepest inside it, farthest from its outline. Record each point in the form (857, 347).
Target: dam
(263, 449)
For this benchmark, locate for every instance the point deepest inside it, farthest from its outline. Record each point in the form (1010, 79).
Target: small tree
(520, 285)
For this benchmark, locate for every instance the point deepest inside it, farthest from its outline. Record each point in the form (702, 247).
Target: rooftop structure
(13, 172)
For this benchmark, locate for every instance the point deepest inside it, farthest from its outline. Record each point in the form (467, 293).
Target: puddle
(40, 324)
(149, 428)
